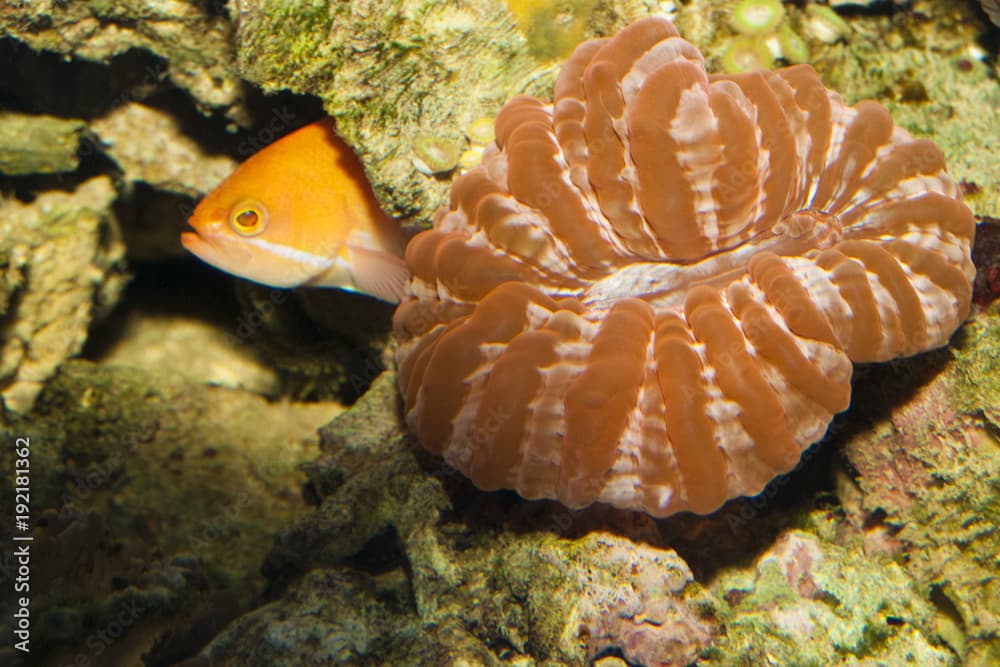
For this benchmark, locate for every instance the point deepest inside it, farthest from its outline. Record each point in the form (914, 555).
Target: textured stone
(150, 146)
(153, 501)
(38, 144)
(193, 43)
(64, 267)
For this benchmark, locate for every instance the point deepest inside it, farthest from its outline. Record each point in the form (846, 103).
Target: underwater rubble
(203, 496)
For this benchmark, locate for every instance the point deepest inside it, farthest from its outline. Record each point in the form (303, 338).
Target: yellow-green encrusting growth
(480, 134)
(481, 131)
(825, 24)
(757, 17)
(793, 47)
(746, 54)
(553, 28)
(783, 32)
(435, 154)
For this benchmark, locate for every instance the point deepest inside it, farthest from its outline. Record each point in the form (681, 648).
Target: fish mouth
(221, 256)
(219, 251)
(197, 245)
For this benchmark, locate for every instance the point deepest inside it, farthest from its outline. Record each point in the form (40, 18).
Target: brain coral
(651, 292)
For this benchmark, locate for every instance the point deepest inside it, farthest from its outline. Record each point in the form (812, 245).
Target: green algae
(959, 107)
(976, 383)
(395, 71)
(932, 469)
(38, 144)
(553, 28)
(809, 602)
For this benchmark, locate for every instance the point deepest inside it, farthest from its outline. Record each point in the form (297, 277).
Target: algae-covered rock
(929, 475)
(406, 79)
(38, 144)
(935, 86)
(194, 43)
(340, 617)
(63, 267)
(423, 579)
(809, 602)
(150, 146)
(640, 601)
(528, 607)
(151, 494)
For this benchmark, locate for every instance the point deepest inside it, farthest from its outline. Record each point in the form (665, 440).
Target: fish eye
(248, 218)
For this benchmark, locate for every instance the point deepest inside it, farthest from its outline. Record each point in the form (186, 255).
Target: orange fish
(300, 212)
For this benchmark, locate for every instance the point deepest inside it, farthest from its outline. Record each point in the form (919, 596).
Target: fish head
(273, 221)
(245, 239)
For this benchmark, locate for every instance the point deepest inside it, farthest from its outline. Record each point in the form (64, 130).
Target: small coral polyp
(651, 291)
(757, 17)
(793, 48)
(746, 54)
(824, 24)
(436, 155)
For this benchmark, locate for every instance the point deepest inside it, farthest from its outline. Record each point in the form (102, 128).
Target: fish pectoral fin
(378, 273)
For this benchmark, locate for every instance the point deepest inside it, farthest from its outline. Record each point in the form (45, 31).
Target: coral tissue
(651, 292)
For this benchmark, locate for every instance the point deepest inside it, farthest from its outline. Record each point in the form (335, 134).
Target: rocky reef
(219, 473)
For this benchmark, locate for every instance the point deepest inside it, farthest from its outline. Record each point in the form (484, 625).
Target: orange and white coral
(652, 290)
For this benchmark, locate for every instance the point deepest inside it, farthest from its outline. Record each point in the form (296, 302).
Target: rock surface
(194, 44)
(456, 589)
(166, 159)
(38, 144)
(154, 501)
(62, 263)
